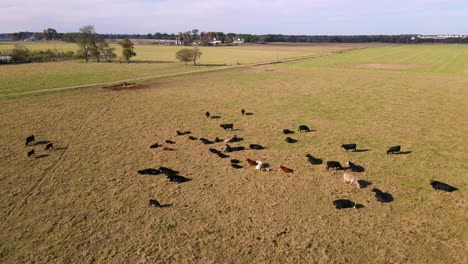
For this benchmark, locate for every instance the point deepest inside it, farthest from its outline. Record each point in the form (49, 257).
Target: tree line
(194, 35)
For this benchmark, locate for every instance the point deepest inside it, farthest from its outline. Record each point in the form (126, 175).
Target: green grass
(428, 59)
(151, 60)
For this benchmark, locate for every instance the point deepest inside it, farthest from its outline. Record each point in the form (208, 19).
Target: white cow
(351, 179)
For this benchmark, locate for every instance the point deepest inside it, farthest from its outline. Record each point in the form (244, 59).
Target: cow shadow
(165, 205)
(222, 155)
(292, 140)
(266, 165)
(42, 156)
(235, 161)
(215, 117)
(359, 206)
(364, 183)
(236, 166)
(41, 142)
(237, 139)
(404, 152)
(236, 129)
(178, 178)
(249, 113)
(61, 148)
(361, 150)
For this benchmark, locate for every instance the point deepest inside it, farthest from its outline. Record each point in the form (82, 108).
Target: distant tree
(49, 34)
(127, 49)
(196, 55)
(20, 54)
(106, 51)
(87, 42)
(185, 55)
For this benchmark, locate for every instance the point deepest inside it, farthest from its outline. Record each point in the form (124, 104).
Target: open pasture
(151, 61)
(85, 202)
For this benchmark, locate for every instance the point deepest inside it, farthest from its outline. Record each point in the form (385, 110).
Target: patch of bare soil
(379, 66)
(122, 87)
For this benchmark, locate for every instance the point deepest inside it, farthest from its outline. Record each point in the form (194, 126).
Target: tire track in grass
(163, 76)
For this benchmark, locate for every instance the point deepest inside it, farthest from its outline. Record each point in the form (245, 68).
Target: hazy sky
(312, 17)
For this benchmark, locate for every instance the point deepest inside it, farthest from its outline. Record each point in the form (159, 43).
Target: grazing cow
(351, 179)
(287, 131)
(154, 202)
(227, 148)
(313, 160)
(217, 140)
(180, 133)
(31, 153)
(304, 128)
(155, 146)
(334, 165)
(170, 142)
(227, 126)
(192, 138)
(207, 114)
(251, 162)
(206, 141)
(437, 185)
(354, 167)
(30, 139)
(167, 171)
(49, 146)
(344, 203)
(285, 169)
(222, 155)
(243, 112)
(349, 147)
(259, 165)
(381, 196)
(394, 149)
(255, 146)
(149, 171)
(290, 140)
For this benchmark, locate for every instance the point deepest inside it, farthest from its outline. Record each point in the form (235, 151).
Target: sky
(298, 17)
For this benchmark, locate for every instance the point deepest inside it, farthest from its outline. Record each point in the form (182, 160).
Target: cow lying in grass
(437, 185)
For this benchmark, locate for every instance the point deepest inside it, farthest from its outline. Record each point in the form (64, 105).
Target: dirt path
(176, 74)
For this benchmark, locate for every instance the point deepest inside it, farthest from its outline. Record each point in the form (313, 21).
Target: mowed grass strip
(150, 61)
(86, 201)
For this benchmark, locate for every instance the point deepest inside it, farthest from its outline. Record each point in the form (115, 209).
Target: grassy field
(84, 201)
(150, 61)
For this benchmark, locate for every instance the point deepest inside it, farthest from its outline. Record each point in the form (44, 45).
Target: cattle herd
(173, 175)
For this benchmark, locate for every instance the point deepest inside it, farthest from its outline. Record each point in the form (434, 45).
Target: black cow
(243, 112)
(170, 142)
(31, 153)
(167, 171)
(155, 146)
(154, 202)
(217, 140)
(207, 114)
(382, 196)
(287, 131)
(227, 126)
(344, 203)
(192, 138)
(290, 140)
(304, 128)
(334, 165)
(49, 146)
(349, 147)
(149, 171)
(215, 151)
(394, 149)
(437, 185)
(354, 167)
(206, 141)
(30, 139)
(180, 133)
(256, 146)
(313, 160)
